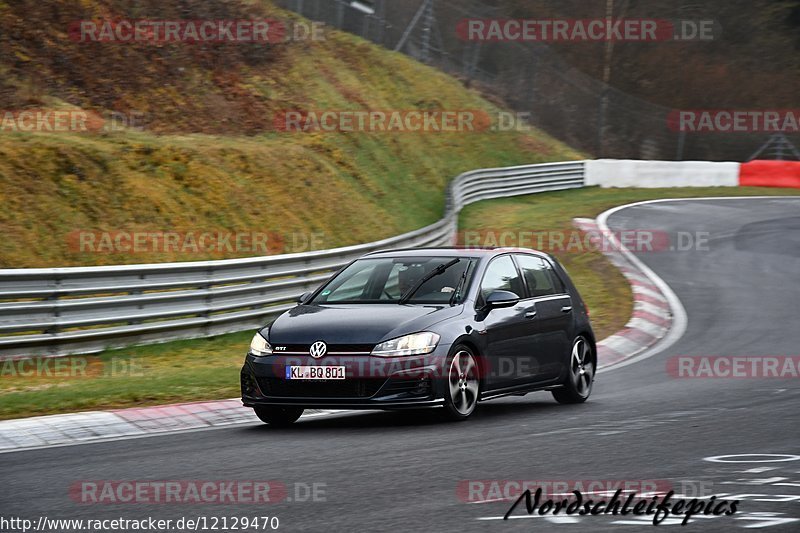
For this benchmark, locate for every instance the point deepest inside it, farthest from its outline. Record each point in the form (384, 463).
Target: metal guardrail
(58, 311)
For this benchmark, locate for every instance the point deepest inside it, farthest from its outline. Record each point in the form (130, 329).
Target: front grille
(346, 388)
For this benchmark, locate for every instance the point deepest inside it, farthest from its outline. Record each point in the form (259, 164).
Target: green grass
(180, 371)
(206, 369)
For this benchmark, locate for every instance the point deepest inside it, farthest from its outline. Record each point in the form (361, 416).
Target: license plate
(315, 372)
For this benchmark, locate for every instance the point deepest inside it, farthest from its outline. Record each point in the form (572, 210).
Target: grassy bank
(207, 156)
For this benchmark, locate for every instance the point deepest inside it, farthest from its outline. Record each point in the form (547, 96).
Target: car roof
(450, 251)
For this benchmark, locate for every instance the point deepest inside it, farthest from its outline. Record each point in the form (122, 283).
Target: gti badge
(318, 349)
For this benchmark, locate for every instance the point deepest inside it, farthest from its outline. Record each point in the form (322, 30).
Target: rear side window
(539, 276)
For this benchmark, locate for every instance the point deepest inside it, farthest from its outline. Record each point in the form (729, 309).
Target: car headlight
(415, 344)
(259, 346)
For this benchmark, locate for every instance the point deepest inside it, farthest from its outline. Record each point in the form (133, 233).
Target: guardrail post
(207, 300)
(55, 328)
(135, 292)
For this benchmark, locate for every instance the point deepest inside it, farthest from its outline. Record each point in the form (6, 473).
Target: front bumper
(370, 382)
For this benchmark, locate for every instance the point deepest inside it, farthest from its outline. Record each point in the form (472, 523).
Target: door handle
(530, 314)
(566, 309)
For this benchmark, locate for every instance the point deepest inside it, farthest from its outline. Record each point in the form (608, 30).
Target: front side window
(501, 275)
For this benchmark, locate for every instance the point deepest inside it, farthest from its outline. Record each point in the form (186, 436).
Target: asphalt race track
(401, 471)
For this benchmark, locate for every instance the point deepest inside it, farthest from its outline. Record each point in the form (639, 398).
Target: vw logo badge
(318, 349)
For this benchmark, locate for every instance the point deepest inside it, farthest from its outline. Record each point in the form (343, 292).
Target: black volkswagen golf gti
(436, 327)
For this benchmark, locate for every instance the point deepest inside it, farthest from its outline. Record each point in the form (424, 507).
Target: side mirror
(501, 299)
(304, 297)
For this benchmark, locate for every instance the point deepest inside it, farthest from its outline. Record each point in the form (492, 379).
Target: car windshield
(389, 279)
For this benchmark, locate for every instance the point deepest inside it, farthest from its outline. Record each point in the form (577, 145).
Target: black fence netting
(530, 77)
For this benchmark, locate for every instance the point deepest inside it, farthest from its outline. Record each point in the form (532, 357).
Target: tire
(278, 416)
(463, 384)
(580, 378)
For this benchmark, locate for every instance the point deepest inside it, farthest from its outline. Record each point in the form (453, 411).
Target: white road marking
(759, 469)
(515, 517)
(766, 520)
(563, 519)
(669, 521)
(763, 481)
(758, 497)
(776, 458)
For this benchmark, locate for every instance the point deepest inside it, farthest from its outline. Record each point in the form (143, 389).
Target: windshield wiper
(457, 291)
(433, 273)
